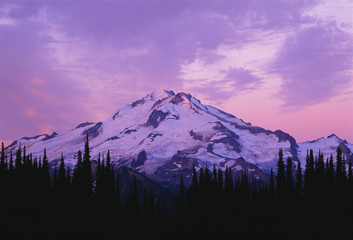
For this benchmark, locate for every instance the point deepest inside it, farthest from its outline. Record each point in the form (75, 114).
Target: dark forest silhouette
(315, 201)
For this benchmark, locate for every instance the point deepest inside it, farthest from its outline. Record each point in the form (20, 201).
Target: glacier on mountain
(177, 132)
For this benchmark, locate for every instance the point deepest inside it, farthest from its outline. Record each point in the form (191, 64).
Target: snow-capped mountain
(164, 134)
(327, 146)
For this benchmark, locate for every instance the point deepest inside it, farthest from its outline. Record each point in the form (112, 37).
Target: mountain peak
(333, 136)
(160, 94)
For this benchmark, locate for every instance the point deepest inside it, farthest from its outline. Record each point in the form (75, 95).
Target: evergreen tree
(11, 167)
(45, 175)
(194, 184)
(62, 181)
(201, 177)
(86, 175)
(18, 160)
(78, 169)
(208, 178)
(350, 177)
(214, 173)
(2, 161)
(340, 170)
(272, 186)
(68, 177)
(330, 172)
(117, 194)
(299, 180)
(220, 180)
(289, 175)
(55, 178)
(281, 177)
(109, 179)
(309, 174)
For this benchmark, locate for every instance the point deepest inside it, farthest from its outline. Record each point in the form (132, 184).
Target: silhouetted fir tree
(35, 165)
(214, 176)
(289, 176)
(78, 182)
(320, 168)
(254, 192)
(194, 178)
(180, 208)
(108, 181)
(201, 177)
(3, 169)
(309, 175)
(68, 178)
(77, 169)
(18, 160)
(24, 156)
(62, 180)
(340, 170)
(220, 180)
(281, 177)
(98, 190)
(6, 164)
(2, 161)
(55, 178)
(323, 210)
(244, 186)
(330, 173)
(299, 180)
(272, 186)
(228, 181)
(208, 177)
(117, 194)
(45, 175)
(11, 167)
(350, 177)
(86, 175)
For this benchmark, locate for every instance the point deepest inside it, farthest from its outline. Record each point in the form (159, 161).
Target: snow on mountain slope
(327, 146)
(176, 131)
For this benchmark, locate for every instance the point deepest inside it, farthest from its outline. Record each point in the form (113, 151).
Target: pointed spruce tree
(299, 180)
(281, 177)
(87, 184)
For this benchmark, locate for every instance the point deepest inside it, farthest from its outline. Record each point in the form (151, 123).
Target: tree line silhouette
(36, 200)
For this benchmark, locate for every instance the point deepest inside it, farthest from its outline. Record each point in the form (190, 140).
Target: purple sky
(277, 64)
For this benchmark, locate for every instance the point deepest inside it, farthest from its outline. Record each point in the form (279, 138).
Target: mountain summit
(165, 134)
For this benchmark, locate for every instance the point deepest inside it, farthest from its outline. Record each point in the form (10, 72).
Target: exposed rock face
(346, 151)
(282, 136)
(195, 135)
(177, 99)
(141, 158)
(138, 102)
(83, 124)
(180, 165)
(48, 137)
(155, 118)
(93, 131)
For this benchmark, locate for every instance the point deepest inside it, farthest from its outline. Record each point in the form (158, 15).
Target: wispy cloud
(65, 61)
(315, 64)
